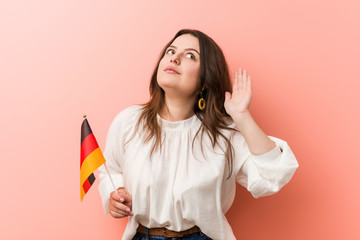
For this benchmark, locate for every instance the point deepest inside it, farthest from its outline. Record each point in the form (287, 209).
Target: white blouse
(180, 187)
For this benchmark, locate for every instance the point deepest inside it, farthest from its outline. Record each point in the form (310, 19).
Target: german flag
(91, 158)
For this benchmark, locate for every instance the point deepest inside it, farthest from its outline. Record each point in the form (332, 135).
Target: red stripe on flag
(86, 186)
(88, 146)
(88, 182)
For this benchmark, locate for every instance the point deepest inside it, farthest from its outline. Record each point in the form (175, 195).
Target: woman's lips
(171, 70)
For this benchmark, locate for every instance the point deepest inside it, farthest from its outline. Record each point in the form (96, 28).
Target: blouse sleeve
(263, 174)
(113, 153)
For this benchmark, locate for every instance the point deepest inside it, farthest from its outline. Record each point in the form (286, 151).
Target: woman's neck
(176, 109)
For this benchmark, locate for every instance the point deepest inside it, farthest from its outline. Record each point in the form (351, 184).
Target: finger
(127, 197)
(116, 215)
(119, 206)
(127, 202)
(122, 190)
(123, 194)
(116, 196)
(129, 205)
(244, 79)
(249, 84)
(119, 211)
(235, 81)
(239, 79)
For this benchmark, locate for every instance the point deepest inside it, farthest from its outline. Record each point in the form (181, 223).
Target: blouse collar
(178, 125)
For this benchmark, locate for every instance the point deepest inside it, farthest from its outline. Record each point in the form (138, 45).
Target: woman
(176, 159)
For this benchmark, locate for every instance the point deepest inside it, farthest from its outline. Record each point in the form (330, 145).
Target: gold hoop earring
(201, 102)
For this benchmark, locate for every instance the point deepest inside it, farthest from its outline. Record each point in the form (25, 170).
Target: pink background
(62, 59)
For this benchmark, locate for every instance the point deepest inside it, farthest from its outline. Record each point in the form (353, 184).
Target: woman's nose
(175, 59)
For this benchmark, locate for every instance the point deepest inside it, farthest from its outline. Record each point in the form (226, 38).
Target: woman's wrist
(242, 119)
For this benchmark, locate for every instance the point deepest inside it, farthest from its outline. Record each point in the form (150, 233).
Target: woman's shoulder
(128, 115)
(130, 110)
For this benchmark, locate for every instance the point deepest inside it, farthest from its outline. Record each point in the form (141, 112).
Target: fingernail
(128, 209)
(121, 199)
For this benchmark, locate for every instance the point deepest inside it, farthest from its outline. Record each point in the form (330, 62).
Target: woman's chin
(167, 84)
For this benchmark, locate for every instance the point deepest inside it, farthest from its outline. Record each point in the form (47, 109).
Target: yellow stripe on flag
(82, 193)
(92, 162)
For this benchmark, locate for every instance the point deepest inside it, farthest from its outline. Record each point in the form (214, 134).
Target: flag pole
(110, 178)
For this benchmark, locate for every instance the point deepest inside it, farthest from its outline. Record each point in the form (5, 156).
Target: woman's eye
(190, 55)
(170, 51)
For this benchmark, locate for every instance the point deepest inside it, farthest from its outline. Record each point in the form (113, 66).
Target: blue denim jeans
(195, 236)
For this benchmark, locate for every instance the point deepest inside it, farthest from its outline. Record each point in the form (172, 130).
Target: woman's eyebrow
(186, 49)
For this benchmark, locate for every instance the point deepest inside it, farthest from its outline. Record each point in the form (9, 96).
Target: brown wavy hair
(215, 76)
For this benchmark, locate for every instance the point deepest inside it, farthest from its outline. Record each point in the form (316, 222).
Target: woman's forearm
(257, 141)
